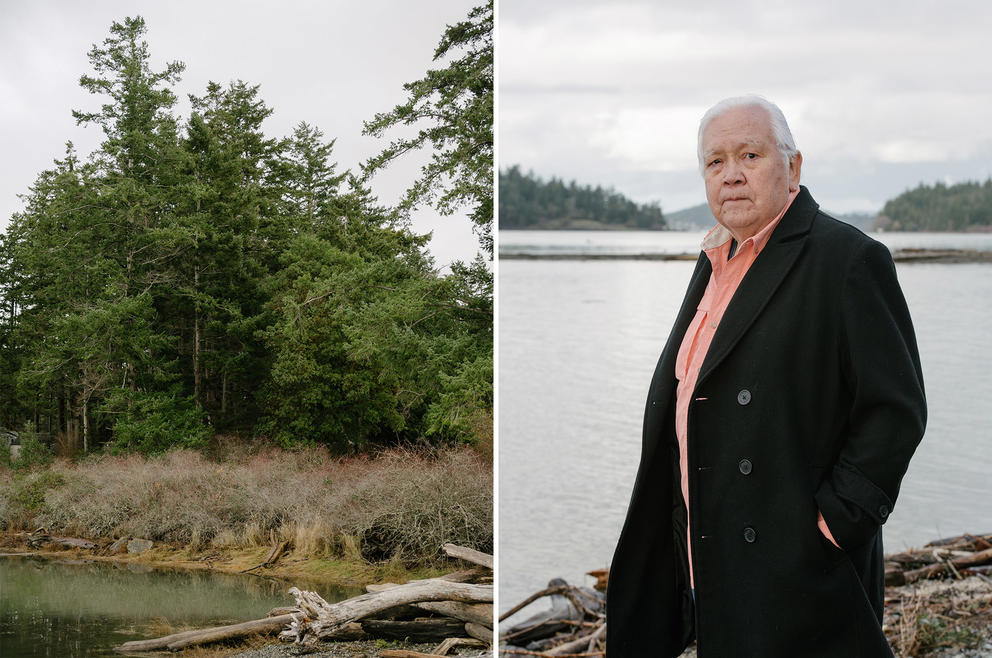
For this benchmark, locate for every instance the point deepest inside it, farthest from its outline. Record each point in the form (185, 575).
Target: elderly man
(780, 421)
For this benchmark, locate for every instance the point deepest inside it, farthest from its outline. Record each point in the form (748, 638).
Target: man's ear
(795, 164)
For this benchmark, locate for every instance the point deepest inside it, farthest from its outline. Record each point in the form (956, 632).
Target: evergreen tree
(456, 103)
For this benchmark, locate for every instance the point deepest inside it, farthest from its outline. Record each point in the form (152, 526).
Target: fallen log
(468, 554)
(433, 629)
(208, 635)
(479, 613)
(236, 631)
(479, 632)
(976, 559)
(274, 554)
(321, 619)
(405, 653)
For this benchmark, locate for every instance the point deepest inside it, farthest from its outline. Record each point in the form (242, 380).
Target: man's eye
(714, 162)
(751, 156)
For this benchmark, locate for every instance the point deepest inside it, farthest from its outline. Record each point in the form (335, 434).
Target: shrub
(401, 505)
(33, 453)
(23, 499)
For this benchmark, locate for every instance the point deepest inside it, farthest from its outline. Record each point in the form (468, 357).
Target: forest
(962, 207)
(194, 276)
(528, 202)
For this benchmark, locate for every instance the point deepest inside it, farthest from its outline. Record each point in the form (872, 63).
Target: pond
(69, 609)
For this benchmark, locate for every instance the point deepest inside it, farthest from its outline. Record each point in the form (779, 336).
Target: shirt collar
(720, 236)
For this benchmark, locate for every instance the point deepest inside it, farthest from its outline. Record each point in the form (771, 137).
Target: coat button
(750, 535)
(745, 466)
(883, 512)
(743, 397)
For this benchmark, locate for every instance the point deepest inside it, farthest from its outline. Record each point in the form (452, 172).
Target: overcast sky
(331, 63)
(881, 95)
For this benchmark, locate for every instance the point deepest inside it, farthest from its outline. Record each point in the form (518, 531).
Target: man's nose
(733, 173)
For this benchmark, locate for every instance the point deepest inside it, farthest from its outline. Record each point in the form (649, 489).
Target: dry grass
(399, 505)
(925, 618)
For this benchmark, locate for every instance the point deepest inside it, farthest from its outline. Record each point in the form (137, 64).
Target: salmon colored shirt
(727, 274)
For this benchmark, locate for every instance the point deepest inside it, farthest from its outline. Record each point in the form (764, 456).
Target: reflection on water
(56, 609)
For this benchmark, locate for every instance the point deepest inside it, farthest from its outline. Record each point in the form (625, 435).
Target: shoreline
(331, 572)
(943, 256)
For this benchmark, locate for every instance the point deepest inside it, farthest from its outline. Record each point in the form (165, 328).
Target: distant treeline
(196, 276)
(526, 201)
(961, 207)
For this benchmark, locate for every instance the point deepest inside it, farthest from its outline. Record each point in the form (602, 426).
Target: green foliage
(962, 207)
(28, 496)
(197, 276)
(464, 401)
(526, 201)
(363, 343)
(33, 452)
(154, 421)
(455, 106)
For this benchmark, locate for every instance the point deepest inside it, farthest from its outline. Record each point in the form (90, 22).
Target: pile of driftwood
(575, 625)
(454, 610)
(964, 555)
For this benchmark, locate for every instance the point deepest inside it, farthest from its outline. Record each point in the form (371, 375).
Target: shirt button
(745, 466)
(750, 535)
(744, 397)
(712, 325)
(883, 512)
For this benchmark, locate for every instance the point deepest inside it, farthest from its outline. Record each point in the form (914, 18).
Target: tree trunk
(196, 338)
(417, 630)
(86, 427)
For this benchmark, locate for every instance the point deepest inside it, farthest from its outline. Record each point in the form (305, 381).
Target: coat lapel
(762, 279)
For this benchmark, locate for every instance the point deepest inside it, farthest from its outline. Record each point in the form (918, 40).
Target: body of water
(578, 342)
(64, 610)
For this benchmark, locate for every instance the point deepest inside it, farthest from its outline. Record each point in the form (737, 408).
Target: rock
(139, 546)
(118, 546)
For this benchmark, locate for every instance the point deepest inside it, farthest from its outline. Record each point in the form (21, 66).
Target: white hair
(780, 127)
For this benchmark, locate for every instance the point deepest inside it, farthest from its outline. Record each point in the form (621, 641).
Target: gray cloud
(879, 95)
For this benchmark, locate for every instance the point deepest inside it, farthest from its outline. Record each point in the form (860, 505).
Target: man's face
(747, 179)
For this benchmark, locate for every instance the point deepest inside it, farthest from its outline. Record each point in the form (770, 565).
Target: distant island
(962, 207)
(528, 202)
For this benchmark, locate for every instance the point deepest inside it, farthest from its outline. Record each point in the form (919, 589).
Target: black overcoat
(810, 398)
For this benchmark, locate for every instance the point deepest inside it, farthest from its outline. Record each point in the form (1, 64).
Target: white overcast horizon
(881, 96)
(333, 64)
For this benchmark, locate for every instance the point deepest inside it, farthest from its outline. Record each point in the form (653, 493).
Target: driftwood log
(424, 629)
(469, 555)
(954, 556)
(185, 639)
(320, 619)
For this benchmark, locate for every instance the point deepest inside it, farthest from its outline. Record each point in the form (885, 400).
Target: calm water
(54, 610)
(577, 347)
